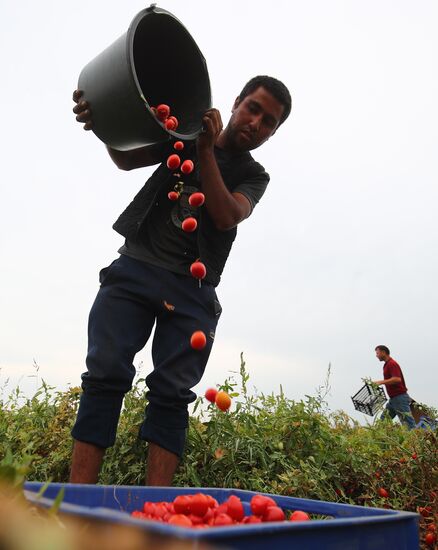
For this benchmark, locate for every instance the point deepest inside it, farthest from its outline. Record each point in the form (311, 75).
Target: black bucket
(155, 61)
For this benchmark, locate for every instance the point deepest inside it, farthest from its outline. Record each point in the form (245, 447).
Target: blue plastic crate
(349, 527)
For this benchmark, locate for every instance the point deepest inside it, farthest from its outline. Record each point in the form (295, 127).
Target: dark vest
(214, 245)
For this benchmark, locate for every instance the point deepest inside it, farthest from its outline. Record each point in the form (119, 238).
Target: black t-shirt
(163, 242)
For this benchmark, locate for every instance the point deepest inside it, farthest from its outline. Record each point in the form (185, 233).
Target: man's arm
(138, 158)
(226, 209)
(388, 381)
(125, 160)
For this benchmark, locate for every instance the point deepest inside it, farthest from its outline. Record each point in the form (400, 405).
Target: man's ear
(236, 104)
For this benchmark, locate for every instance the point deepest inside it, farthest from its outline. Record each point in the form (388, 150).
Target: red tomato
(173, 162)
(196, 199)
(235, 508)
(210, 394)
(189, 225)
(258, 505)
(187, 166)
(199, 505)
(430, 539)
(414, 456)
(149, 508)
(273, 513)
(221, 509)
(173, 122)
(198, 340)
(163, 111)
(252, 519)
(424, 511)
(181, 504)
(223, 400)
(383, 492)
(196, 520)
(431, 527)
(178, 145)
(298, 515)
(181, 520)
(198, 270)
(222, 519)
(160, 510)
(138, 514)
(209, 514)
(170, 124)
(173, 195)
(212, 502)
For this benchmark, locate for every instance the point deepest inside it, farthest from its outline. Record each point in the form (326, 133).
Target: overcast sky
(340, 254)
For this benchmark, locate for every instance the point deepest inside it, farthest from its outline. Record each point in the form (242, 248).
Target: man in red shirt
(399, 400)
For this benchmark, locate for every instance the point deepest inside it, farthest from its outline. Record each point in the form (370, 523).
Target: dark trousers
(134, 296)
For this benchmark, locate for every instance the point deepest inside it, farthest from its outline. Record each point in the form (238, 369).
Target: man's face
(381, 355)
(254, 120)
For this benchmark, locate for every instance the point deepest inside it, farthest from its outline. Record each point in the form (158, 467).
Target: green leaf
(57, 502)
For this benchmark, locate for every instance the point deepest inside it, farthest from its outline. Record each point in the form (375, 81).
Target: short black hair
(384, 349)
(274, 87)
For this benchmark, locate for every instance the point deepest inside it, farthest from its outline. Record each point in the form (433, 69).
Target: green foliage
(266, 443)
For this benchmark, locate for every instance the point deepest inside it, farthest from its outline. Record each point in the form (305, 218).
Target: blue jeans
(400, 406)
(133, 297)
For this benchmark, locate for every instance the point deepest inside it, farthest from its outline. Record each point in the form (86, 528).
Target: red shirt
(392, 368)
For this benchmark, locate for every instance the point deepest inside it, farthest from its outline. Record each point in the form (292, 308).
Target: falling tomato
(173, 195)
(169, 124)
(178, 145)
(210, 394)
(198, 340)
(196, 199)
(198, 270)
(163, 111)
(174, 121)
(173, 162)
(223, 400)
(189, 225)
(187, 166)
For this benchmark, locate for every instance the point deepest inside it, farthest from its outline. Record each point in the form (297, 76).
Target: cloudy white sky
(339, 256)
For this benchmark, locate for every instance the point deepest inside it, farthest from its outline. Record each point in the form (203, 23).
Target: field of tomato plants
(265, 443)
